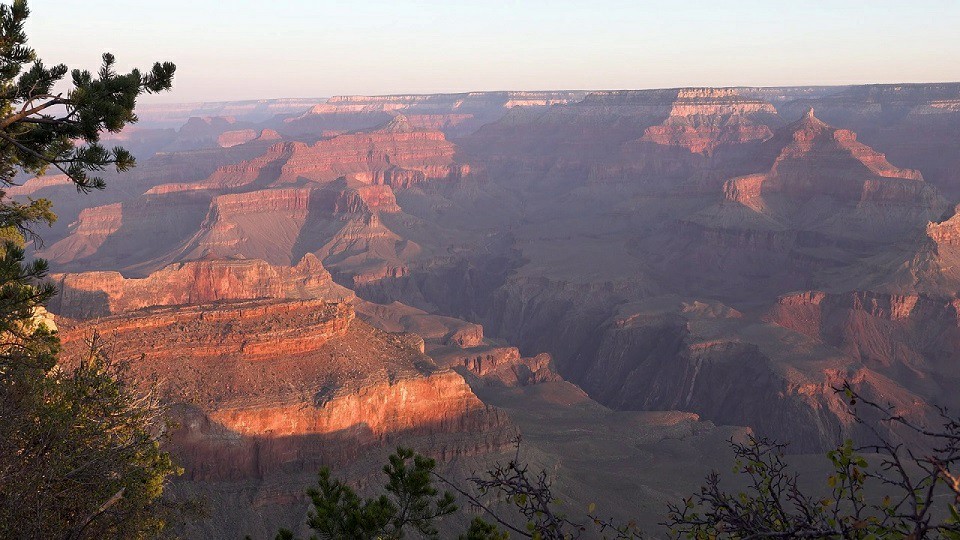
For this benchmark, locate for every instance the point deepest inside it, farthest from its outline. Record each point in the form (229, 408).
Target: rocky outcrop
(505, 366)
(466, 336)
(271, 388)
(915, 125)
(233, 138)
(439, 122)
(207, 332)
(37, 183)
(453, 101)
(261, 171)
(717, 102)
(664, 354)
(702, 119)
(814, 159)
(204, 131)
(254, 225)
(576, 217)
(946, 232)
(284, 201)
(912, 339)
(630, 140)
(373, 413)
(883, 101)
(460, 345)
(164, 220)
(484, 103)
(242, 136)
(92, 229)
(124, 234)
(395, 154)
(355, 199)
(703, 135)
(825, 199)
(101, 294)
(280, 225)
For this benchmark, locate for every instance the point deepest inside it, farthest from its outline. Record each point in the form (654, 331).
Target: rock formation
(826, 200)
(269, 387)
(700, 120)
(266, 391)
(910, 339)
(242, 136)
(814, 159)
(99, 294)
(395, 154)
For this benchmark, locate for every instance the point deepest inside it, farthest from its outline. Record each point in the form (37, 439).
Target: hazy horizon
(280, 98)
(301, 49)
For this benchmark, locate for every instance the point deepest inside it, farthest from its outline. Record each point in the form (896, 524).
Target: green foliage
(409, 501)
(481, 530)
(411, 485)
(283, 534)
(26, 346)
(81, 455)
(338, 512)
(16, 218)
(79, 450)
(39, 128)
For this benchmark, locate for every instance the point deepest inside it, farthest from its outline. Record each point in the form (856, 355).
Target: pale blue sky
(298, 48)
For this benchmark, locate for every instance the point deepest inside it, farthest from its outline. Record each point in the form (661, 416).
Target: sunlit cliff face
(290, 372)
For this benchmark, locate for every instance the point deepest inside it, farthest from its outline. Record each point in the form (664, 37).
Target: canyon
(636, 275)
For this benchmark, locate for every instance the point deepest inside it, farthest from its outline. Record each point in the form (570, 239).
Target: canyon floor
(627, 279)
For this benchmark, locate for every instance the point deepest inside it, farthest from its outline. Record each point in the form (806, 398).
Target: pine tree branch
(49, 121)
(14, 118)
(34, 153)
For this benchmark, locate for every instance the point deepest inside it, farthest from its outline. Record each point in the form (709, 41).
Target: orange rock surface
(260, 383)
(99, 294)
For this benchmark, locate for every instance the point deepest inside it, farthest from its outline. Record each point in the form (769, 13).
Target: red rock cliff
(99, 294)
(271, 387)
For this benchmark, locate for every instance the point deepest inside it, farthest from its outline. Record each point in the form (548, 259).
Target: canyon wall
(100, 294)
(265, 392)
(705, 255)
